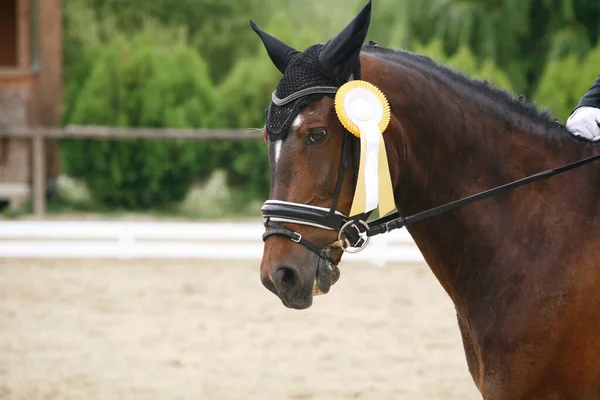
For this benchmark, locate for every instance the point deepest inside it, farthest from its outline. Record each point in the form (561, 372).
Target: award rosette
(364, 111)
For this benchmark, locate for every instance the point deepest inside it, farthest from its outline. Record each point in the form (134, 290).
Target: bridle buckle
(387, 226)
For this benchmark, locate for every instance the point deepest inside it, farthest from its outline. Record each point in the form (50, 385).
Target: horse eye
(316, 135)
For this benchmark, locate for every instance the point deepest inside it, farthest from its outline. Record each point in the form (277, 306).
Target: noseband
(275, 212)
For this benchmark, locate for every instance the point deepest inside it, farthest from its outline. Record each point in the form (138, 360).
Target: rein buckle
(387, 226)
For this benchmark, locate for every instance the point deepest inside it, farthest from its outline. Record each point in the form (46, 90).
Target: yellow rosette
(364, 111)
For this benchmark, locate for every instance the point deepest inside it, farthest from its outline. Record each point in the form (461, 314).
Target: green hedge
(243, 98)
(150, 80)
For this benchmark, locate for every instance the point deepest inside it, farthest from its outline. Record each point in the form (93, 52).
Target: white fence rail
(168, 240)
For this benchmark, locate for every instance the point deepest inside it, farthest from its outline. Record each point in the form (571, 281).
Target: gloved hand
(585, 122)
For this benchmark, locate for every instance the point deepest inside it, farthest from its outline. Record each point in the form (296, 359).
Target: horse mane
(499, 101)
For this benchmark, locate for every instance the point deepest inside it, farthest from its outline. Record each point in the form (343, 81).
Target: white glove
(585, 122)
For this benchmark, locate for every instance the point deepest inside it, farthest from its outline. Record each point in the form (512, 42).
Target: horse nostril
(285, 278)
(290, 288)
(288, 277)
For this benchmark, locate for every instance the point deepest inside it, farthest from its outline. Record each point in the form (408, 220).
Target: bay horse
(521, 267)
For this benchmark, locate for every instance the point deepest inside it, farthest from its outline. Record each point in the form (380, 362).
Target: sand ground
(100, 329)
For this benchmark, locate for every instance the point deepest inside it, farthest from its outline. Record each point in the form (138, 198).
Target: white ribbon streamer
(371, 132)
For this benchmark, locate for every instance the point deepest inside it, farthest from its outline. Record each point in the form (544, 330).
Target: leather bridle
(275, 212)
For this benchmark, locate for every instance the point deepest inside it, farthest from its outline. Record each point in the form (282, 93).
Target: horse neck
(450, 146)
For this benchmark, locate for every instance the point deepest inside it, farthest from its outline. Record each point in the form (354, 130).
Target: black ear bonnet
(318, 71)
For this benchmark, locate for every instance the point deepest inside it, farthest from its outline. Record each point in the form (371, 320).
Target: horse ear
(341, 55)
(279, 52)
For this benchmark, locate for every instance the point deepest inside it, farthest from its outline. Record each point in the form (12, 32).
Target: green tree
(564, 81)
(520, 36)
(466, 62)
(219, 30)
(81, 47)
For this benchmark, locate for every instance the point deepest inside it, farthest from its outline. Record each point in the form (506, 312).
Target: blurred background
(131, 179)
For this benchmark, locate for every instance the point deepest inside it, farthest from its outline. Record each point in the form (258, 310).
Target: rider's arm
(592, 97)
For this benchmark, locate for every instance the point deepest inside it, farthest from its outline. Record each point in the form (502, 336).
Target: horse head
(312, 161)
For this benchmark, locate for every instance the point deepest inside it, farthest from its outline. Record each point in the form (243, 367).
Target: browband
(304, 92)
